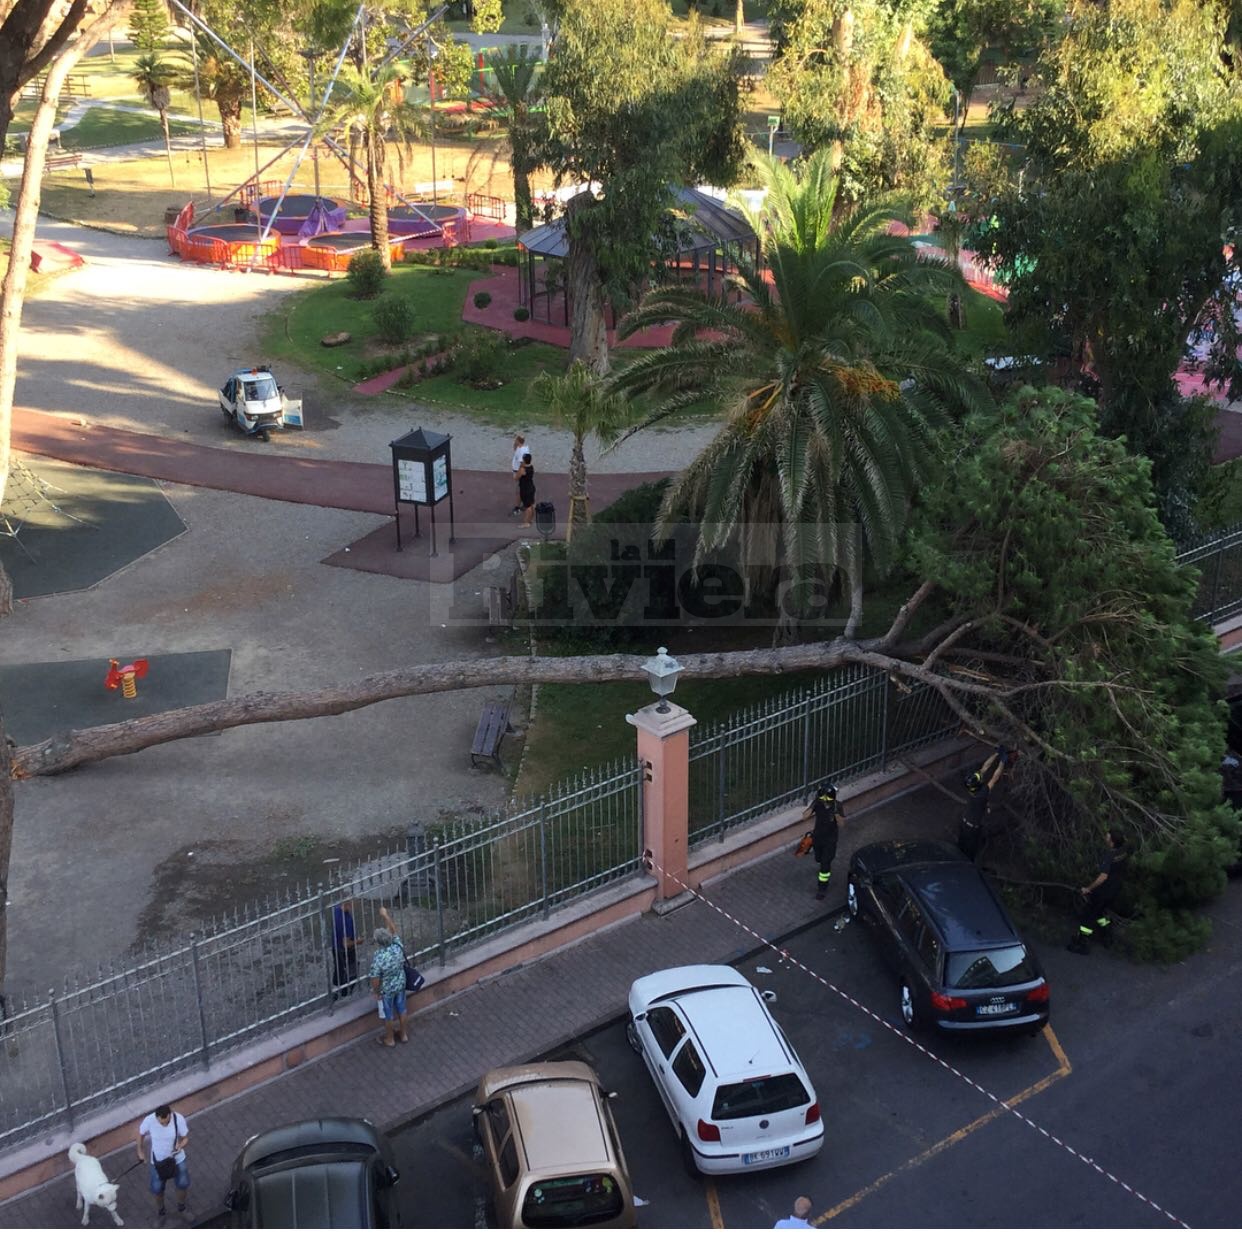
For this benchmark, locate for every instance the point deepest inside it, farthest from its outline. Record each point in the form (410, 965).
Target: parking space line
(648, 862)
(713, 1205)
(1063, 1069)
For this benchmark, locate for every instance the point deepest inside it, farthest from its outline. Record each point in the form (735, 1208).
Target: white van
(737, 1095)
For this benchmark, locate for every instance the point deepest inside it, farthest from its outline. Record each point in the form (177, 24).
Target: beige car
(551, 1148)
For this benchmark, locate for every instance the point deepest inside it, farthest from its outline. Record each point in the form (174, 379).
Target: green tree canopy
(1047, 552)
(636, 112)
(149, 28)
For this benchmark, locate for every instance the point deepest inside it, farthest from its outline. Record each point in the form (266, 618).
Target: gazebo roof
(706, 223)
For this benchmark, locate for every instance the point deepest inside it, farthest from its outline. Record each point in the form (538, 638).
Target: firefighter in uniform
(1102, 893)
(979, 790)
(828, 814)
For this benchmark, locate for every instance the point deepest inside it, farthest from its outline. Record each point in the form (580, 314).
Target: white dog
(92, 1184)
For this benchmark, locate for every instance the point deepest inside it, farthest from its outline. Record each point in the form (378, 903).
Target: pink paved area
(482, 500)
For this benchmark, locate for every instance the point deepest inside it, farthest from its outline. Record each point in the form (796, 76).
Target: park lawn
(520, 17)
(985, 333)
(105, 126)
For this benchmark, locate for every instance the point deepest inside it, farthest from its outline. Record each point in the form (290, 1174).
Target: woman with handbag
(388, 980)
(162, 1137)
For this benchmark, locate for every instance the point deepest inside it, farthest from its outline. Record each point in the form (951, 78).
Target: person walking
(979, 790)
(162, 1137)
(388, 980)
(526, 491)
(519, 450)
(828, 814)
(1102, 892)
(344, 948)
(801, 1216)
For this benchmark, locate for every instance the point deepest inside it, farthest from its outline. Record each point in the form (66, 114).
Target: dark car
(326, 1173)
(960, 963)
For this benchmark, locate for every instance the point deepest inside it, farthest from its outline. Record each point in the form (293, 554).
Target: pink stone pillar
(664, 750)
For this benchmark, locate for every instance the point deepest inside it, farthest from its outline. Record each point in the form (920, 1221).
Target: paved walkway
(513, 1018)
(482, 500)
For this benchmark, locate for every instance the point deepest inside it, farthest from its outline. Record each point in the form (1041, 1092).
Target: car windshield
(583, 1199)
(988, 969)
(260, 388)
(756, 1097)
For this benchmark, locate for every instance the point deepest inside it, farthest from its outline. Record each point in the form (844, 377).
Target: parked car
(325, 1173)
(551, 1148)
(960, 962)
(736, 1093)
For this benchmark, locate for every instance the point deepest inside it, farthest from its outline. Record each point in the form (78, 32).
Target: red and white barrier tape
(650, 864)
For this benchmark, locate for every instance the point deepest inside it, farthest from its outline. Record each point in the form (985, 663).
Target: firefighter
(1102, 893)
(979, 789)
(828, 814)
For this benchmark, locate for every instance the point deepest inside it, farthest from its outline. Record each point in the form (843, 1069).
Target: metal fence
(1219, 562)
(237, 981)
(764, 758)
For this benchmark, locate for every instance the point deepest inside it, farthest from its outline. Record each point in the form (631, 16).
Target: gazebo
(701, 242)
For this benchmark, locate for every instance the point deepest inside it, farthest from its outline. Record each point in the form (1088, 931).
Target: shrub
(393, 317)
(491, 243)
(482, 300)
(478, 357)
(366, 274)
(521, 313)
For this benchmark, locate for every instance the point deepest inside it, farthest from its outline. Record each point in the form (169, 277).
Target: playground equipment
(125, 677)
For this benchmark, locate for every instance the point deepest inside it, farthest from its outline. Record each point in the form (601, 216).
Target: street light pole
(431, 100)
(310, 54)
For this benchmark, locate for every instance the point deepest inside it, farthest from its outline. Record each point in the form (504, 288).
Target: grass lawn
(520, 16)
(105, 126)
(985, 334)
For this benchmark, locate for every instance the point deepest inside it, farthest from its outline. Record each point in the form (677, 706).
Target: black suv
(326, 1173)
(960, 963)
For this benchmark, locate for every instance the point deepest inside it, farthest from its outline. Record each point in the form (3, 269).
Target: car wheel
(909, 1011)
(265, 436)
(228, 417)
(851, 897)
(631, 1035)
(687, 1157)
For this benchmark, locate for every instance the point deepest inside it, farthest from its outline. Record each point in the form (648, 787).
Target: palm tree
(580, 402)
(516, 70)
(370, 105)
(154, 76)
(831, 378)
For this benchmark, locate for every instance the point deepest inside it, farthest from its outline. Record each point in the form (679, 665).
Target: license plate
(997, 1008)
(768, 1154)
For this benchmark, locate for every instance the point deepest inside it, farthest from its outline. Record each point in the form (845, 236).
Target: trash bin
(170, 215)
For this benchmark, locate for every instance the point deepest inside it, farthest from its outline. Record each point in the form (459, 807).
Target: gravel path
(141, 341)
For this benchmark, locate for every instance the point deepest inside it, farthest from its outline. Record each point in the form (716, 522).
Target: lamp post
(310, 55)
(432, 52)
(662, 672)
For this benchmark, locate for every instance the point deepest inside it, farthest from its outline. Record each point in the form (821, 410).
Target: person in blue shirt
(344, 948)
(801, 1214)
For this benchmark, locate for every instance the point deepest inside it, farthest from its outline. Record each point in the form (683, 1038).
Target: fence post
(886, 686)
(664, 749)
(720, 783)
(543, 855)
(60, 1055)
(1220, 554)
(198, 994)
(806, 742)
(443, 952)
(327, 927)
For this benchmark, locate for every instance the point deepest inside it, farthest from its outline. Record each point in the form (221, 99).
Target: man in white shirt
(162, 1136)
(801, 1211)
(519, 450)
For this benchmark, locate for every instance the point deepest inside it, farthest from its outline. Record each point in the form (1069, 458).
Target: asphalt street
(1136, 1073)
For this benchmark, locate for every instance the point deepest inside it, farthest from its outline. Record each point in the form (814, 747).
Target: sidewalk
(515, 1017)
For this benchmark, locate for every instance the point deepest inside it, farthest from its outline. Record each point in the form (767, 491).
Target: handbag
(805, 843)
(414, 979)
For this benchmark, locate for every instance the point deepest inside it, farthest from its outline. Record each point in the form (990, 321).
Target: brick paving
(511, 1018)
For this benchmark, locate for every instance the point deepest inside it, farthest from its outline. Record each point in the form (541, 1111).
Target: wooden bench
(488, 735)
(501, 602)
(54, 163)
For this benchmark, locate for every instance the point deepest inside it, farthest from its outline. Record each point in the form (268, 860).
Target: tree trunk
(172, 176)
(230, 108)
(519, 150)
(377, 195)
(577, 483)
(856, 609)
(23, 22)
(12, 297)
(588, 330)
(739, 18)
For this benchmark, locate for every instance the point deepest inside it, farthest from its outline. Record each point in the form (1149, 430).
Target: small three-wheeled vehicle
(256, 404)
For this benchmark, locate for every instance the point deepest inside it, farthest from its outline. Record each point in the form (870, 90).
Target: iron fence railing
(764, 758)
(1219, 563)
(236, 981)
